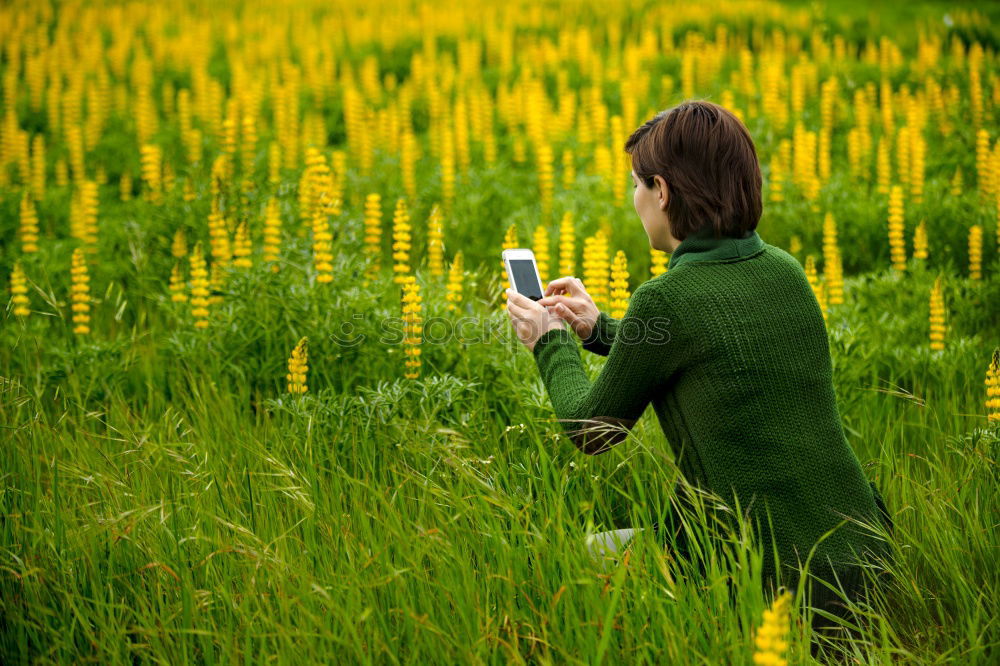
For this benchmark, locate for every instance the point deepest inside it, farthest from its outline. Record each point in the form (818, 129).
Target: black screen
(525, 278)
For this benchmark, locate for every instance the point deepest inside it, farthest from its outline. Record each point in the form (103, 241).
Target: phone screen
(525, 278)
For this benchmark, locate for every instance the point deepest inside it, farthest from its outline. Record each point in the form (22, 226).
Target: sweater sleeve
(603, 334)
(598, 415)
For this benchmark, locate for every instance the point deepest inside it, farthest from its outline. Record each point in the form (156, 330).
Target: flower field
(259, 397)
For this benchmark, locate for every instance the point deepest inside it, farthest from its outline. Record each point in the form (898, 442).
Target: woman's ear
(662, 191)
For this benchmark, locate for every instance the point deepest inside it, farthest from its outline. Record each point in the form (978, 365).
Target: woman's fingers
(568, 316)
(555, 299)
(520, 300)
(564, 284)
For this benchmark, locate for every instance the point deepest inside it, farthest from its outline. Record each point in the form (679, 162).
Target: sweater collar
(702, 245)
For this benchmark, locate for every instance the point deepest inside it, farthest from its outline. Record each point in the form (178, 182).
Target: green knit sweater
(730, 348)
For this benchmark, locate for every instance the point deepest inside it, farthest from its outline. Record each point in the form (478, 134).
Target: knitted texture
(731, 349)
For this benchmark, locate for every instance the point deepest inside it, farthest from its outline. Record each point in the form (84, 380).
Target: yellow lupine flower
(993, 388)
(658, 261)
(401, 242)
(619, 285)
(937, 315)
(218, 282)
(976, 252)
(218, 238)
(818, 289)
(771, 638)
(322, 247)
(546, 176)
(509, 243)
(272, 234)
(274, 163)
(776, 180)
(80, 293)
(412, 327)
(833, 271)
(298, 367)
(178, 246)
(177, 287)
(199, 287)
(435, 242)
(29, 225)
(125, 186)
(567, 245)
(19, 291)
(568, 169)
(883, 172)
(540, 246)
(242, 246)
(454, 287)
(373, 235)
(920, 247)
(596, 268)
(897, 245)
(956, 183)
(151, 166)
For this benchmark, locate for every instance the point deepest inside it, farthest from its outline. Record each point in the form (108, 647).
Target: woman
(728, 345)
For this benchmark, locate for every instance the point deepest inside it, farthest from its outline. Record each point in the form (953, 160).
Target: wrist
(545, 337)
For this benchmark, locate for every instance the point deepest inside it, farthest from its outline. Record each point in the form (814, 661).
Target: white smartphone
(522, 271)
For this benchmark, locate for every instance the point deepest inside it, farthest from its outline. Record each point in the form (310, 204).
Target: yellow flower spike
(322, 247)
(993, 388)
(178, 246)
(373, 235)
(454, 287)
(546, 177)
(272, 234)
(568, 169)
(297, 368)
(937, 316)
(540, 246)
(401, 242)
(619, 285)
(80, 293)
(567, 245)
(770, 639)
(242, 246)
(658, 261)
(29, 225)
(956, 183)
(435, 242)
(219, 243)
(177, 287)
(833, 271)
(776, 180)
(509, 243)
(38, 167)
(897, 244)
(597, 268)
(199, 287)
(19, 291)
(976, 252)
(125, 187)
(218, 282)
(920, 245)
(274, 163)
(412, 326)
(151, 166)
(407, 163)
(883, 172)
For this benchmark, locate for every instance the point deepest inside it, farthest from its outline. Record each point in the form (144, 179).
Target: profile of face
(651, 206)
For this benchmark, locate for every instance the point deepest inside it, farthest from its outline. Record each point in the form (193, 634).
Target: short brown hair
(706, 156)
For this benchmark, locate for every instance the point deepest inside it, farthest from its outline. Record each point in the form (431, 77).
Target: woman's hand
(530, 319)
(571, 302)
